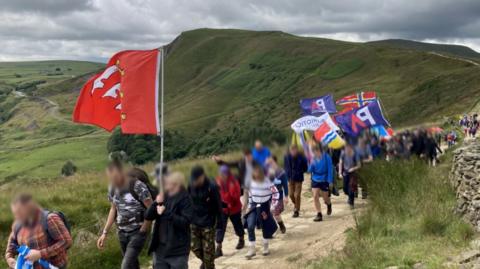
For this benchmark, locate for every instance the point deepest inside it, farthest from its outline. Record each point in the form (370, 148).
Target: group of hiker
(193, 216)
(470, 125)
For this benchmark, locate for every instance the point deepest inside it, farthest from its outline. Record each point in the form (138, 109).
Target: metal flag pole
(162, 121)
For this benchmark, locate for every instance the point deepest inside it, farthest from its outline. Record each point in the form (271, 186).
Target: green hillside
(226, 87)
(232, 81)
(36, 134)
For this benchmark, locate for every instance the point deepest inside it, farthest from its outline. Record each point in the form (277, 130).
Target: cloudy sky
(94, 29)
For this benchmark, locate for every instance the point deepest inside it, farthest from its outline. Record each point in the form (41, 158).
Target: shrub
(68, 169)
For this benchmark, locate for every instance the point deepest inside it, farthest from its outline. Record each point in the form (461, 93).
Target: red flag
(125, 93)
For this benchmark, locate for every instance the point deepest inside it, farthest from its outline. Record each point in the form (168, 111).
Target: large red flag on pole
(126, 93)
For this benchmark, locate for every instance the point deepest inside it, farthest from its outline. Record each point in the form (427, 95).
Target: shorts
(324, 186)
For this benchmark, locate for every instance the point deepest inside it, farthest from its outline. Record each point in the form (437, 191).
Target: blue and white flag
(353, 122)
(318, 105)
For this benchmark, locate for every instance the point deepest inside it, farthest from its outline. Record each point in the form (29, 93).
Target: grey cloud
(97, 28)
(52, 7)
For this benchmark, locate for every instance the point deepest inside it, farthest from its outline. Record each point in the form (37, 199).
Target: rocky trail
(303, 242)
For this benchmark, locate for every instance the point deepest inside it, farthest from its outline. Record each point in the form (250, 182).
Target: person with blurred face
(244, 168)
(45, 233)
(295, 164)
(232, 209)
(261, 193)
(207, 208)
(128, 203)
(173, 213)
(322, 172)
(350, 162)
(260, 153)
(279, 178)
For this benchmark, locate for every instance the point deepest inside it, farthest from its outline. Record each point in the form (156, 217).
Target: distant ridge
(453, 50)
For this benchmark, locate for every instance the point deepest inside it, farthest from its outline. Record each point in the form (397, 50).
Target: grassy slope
(409, 219)
(38, 137)
(217, 79)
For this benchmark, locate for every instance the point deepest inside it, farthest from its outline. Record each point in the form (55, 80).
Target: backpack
(151, 189)
(44, 222)
(131, 189)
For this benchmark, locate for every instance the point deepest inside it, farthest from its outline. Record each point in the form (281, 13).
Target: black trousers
(132, 245)
(236, 220)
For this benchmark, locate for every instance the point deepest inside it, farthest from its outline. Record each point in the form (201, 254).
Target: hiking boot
(283, 229)
(265, 251)
(296, 214)
(218, 251)
(240, 244)
(335, 192)
(251, 251)
(329, 209)
(318, 218)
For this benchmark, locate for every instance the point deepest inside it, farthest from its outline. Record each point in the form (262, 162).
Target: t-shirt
(364, 152)
(349, 162)
(260, 192)
(130, 211)
(260, 156)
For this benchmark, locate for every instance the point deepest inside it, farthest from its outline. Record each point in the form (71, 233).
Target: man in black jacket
(207, 208)
(173, 213)
(296, 165)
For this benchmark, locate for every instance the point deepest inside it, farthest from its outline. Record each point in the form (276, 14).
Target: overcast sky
(94, 29)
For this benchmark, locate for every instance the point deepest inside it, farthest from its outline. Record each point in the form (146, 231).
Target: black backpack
(137, 174)
(44, 221)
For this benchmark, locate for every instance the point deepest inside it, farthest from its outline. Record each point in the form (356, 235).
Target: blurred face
(294, 151)
(199, 181)
(249, 157)
(224, 176)
(318, 153)
(115, 176)
(258, 174)
(21, 213)
(258, 145)
(172, 187)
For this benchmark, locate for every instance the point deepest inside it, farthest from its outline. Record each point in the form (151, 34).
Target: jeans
(131, 244)
(349, 187)
(176, 262)
(236, 220)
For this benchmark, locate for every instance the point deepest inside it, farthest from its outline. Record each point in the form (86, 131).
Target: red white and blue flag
(357, 100)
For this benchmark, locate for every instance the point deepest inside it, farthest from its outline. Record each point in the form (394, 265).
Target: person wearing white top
(261, 192)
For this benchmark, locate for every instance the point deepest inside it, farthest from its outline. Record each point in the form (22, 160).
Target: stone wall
(465, 177)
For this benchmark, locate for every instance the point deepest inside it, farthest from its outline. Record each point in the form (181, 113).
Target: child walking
(279, 178)
(258, 212)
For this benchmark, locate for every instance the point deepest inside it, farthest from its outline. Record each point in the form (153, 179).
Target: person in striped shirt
(261, 193)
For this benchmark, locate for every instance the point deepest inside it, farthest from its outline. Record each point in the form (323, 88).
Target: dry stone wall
(465, 177)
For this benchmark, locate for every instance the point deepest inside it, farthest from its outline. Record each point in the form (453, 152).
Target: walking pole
(162, 121)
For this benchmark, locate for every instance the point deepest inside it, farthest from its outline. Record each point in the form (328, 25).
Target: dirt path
(455, 58)
(304, 241)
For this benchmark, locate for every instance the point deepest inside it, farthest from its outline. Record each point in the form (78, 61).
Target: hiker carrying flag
(45, 233)
(173, 213)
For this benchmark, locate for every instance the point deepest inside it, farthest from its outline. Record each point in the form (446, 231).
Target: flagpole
(162, 129)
